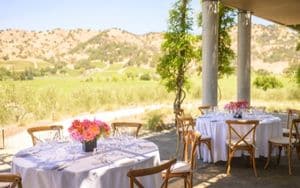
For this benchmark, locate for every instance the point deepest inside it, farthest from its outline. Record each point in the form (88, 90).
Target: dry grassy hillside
(272, 46)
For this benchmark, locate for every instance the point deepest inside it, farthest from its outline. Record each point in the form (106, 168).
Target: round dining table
(64, 164)
(214, 125)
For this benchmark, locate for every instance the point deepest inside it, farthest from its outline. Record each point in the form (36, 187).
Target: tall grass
(56, 96)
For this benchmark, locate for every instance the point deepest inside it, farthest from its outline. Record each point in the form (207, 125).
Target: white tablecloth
(214, 125)
(64, 165)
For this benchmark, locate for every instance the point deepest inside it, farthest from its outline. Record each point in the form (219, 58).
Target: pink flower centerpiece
(87, 132)
(237, 108)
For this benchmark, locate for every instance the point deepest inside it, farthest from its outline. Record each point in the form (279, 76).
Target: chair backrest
(13, 180)
(44, 133)
(185, 123)
(204, 109)
(134, 173)
(292, 114)
(294, 132)
(190, 142)
(241, 132)
(179, 112)
(131, 128)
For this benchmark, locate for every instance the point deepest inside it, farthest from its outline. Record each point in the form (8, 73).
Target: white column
(244, 56)
(210, 52)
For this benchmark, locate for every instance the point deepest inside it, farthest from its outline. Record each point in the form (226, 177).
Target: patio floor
(214, 175)
(242, 175)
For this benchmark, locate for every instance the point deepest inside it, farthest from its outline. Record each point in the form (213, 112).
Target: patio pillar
(210, 52)
(244, 56)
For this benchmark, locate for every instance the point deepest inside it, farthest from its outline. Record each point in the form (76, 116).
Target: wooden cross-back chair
(134, 173)
(187, 124)
(11, 180)
(34, 131)
(286, 142)
(184, 169)
(292, 114)
(204, 109)
(241, 137)
(131, 128)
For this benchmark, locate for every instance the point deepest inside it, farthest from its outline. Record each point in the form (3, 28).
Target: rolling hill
(273, 47)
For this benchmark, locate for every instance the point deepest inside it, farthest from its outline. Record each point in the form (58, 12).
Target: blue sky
(137, 16)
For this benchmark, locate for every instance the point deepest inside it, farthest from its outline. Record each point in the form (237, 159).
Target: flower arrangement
(87, 130)
(236, 106)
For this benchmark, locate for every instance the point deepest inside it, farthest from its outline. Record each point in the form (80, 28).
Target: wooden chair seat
(180, 167)
(5, 185)
(281, 140)
(205, 137)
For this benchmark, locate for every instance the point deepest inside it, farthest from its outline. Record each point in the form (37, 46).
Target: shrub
(266, 82)
(155, 122)
(145, 77)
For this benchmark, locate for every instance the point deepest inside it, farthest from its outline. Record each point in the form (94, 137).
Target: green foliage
(4, 74)
(266, 82)
(225, 53)
(145, 77)
(298, 76)
(84, 64)
(24, 75)
(155, 121)
(177, 50)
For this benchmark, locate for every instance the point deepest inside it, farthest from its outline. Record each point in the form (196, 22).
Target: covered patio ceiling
(285, 12)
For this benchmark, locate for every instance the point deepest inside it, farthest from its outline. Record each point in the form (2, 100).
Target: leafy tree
(177, 51)
(225, 53)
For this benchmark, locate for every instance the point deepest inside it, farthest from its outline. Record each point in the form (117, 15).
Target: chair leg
(298, 151)
(289, 148)
(279, 155)
(230, 153)
(185, 182)
(199, 149)
(269, 155)
(210, 150)
(191, 180)
(253, 161)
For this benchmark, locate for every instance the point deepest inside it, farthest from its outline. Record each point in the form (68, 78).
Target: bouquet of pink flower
(87, 130)
(236, 106)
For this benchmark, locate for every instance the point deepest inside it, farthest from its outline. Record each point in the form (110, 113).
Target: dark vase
(238, 115)
(89, 146)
